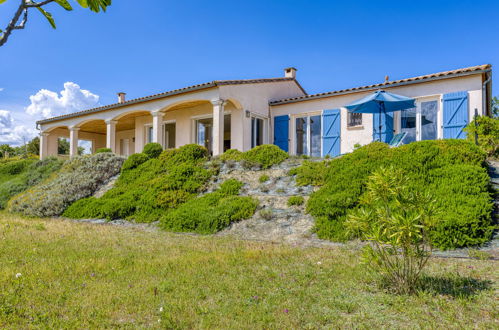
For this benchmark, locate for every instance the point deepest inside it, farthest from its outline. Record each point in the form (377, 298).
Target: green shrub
(153, 150)
(264, 156)
(189, 153)
(266, 214)
(211, 212)
(487, 131)
(134, 160)
(232, 154)
(19, 175)
(78, 178)
(263, 178)
(100, 150)
(451, 170)
(146, 192)
(396, 221)
(296, 200)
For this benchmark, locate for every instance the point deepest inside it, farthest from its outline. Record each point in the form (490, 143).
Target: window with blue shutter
(331, 133)
(386, 127)
(456, 113)
(281, 132)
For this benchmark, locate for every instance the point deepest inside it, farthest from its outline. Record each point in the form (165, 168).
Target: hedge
(452, 171)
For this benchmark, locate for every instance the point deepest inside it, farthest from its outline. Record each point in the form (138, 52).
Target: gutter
(485, 102)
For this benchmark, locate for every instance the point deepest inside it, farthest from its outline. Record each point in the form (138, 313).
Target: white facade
(423, 91)
(240, 114)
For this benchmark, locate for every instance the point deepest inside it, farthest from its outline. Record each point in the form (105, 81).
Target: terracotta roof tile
(439, 75)
(168, 93)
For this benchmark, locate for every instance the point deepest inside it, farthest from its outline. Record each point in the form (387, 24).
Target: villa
(242, 114)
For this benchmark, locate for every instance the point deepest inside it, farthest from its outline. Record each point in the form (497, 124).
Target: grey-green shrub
(78, 178)
(153, 150)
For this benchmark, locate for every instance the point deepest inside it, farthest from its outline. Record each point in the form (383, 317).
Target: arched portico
(213, 123)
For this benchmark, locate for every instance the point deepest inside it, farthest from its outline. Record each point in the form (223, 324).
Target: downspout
(485, 103)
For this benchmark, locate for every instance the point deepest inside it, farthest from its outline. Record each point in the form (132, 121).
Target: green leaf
(95, 5)
(48, 16)
(83, 3)
(2, 1)
(63, 3)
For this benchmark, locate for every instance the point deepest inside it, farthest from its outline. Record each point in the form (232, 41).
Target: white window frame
(265, 127)
(293, 131)
(146, 133)
(419, 100)
(171, 121)
(198, 117)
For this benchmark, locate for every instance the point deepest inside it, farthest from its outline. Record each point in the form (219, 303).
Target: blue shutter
(455, 115)
(281, 132)
(331, 133)
(386, 127)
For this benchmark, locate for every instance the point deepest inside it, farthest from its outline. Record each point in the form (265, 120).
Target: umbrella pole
(382, 108)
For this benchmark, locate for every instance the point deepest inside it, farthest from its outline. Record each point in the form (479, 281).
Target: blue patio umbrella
(381, 102)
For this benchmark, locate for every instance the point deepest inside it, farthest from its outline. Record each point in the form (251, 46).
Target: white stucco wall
(363, 135)
(255, 98)
(251, 97)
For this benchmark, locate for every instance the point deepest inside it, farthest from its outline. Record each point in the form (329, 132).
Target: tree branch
(13, 24)
(31, 4)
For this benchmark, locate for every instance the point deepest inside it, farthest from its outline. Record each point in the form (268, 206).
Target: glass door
(308, 135)
(408, 124)
(204, 128)
(169, 135)
(429, 111)
(420, 123)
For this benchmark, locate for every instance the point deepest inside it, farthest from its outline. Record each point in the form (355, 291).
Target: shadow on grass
(454, 286)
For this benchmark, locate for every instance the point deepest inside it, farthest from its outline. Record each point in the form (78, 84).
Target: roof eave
(376, 87)
(127, 103)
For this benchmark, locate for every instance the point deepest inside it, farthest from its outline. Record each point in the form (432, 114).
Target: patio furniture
(397, 140)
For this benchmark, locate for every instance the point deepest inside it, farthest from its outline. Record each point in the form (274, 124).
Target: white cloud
(5, 120)
(72, 98)
(1, 89)
(44, 104)
(17, 135)
(11, 133)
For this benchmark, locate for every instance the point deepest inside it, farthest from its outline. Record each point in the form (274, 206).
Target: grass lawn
(83, 275)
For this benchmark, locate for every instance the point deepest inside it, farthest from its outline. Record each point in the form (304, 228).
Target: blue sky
(145, 47)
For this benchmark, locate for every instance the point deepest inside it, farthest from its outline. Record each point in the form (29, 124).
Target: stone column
(218, 127)
(157, 129)
(111, 135)
(73, 141)
(44, 139)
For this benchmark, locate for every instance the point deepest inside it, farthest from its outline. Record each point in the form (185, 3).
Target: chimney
(121, 97)
(290, 72)
(387, 79)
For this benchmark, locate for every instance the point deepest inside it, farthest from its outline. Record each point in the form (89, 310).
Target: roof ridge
(186, 89)
(442, 75)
